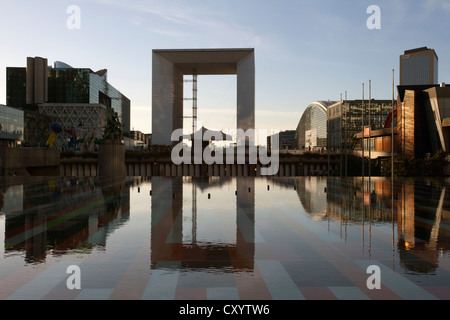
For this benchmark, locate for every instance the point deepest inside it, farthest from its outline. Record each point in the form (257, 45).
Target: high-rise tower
(419, 67)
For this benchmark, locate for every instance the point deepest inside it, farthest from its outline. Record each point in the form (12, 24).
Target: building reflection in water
(416, 210)
(168, 235)
(61, 215)
(68, 215)
(422, 220)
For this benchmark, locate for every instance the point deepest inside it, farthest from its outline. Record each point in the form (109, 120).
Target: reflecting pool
(225, 238)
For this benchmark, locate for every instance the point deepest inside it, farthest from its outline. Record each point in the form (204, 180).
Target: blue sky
(305, 50)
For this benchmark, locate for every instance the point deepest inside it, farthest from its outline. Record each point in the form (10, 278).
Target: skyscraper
(419, 67)
(39, 84)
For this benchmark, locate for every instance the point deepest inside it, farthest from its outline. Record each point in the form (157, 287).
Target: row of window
(11, 123)
(314, 129)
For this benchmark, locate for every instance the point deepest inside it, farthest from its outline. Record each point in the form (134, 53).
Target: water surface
(240, 238)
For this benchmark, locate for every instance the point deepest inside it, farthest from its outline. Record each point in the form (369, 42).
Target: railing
(89, 168)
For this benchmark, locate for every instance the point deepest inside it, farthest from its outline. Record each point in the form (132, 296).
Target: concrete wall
(149, 168)
(78, 167)
(163, 97)
(111, 160)
(36, 80)
(29, 161)
(406, 124)
(246, 93)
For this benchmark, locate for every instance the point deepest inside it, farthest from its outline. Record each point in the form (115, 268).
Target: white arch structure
(168, 69)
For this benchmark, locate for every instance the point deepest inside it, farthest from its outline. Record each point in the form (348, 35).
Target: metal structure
(194, 101)
(88, 120)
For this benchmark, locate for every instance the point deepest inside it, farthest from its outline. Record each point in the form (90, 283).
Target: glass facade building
(67, 85)
(311, 132)
(345, 120)
(16, 80)
(285, 140)
(11, 126)
(83, 86)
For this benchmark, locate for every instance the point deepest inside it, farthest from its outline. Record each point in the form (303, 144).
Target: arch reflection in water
(252, 237)
(171, 241)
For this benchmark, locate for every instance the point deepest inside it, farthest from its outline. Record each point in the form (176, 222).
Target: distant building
(311, 132)
(419, 67)
(285, 139)
(345, 121)
(136, 140)
(72, 97)
(148, 139)
(137, 135)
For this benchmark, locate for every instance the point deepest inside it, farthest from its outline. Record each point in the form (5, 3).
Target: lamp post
(370, 130)
(392, 134)
(345, 135)
(328, 141)
(362, 124)
(340, 136)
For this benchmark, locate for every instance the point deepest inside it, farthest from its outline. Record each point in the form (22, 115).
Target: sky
(305, 50)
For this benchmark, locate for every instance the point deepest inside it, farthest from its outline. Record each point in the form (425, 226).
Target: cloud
(170, 33)
(185, 19)
(421, 10)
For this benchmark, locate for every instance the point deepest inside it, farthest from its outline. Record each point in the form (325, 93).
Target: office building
(84, 86)
(137, 135)
(285, 140)
(423, 120)
(419, 67)
(421, 124)
(148, 139)
(11, 126)
(380, 145)
(16, 86)
(311, 132)
(72, 97)
(345, 121)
